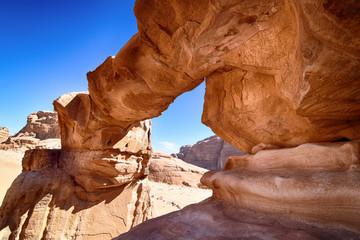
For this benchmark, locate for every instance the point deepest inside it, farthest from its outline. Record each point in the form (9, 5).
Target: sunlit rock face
(210, 153)
(4, 134)
(317, 183)
(294, 81)
(44, 124)
(46, 203)
(215, 220)
(84, 127)
(279, 72)
(40, 132)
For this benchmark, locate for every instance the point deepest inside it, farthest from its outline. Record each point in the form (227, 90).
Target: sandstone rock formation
(164, 168)
(271, 68)
(83, 126)
(4, 134)
(279, 72)
(308, 192)
(51, 206)
(216, 220)
(44, 124)
(61, 192)
(41, 132)
(317, 183)
(210, 153)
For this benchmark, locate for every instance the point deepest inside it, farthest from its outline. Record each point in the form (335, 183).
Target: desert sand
(10, 168)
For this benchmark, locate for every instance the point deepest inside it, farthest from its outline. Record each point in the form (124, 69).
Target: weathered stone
(289, 83)
(95, 170)
(44, 124)
(340, 156)
(4, 134)
(83, 127)
(315, 183)
(41, 132)
(49, 205)
(278, 72)
(166, 169)
(270, 69)
(210, 153)
(215, 220)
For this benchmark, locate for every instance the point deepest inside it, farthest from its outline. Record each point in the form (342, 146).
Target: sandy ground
(10, 168)
(168, 198)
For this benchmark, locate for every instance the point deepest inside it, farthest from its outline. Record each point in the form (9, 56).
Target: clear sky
(48, 46)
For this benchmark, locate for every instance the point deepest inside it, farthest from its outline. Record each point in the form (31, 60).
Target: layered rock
(271, 69)
(83, 126)
(4, 134)
(40, 132)
(44, 124)
(60, 192)
(210, 153)
(49, 205)
(166, 169)
(216, 220)
(282, 73)
(306, 192)
(314, 183)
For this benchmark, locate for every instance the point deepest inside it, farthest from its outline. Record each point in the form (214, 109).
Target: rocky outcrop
(315, 183)
(43, 124)
(216, 220)
(60, 192)
(281, 73)
(84, 127)
(166, 169)
(46, 203)
(271, 69)
(308, 192)
(210, 153)
(41, 132)
(4, 134)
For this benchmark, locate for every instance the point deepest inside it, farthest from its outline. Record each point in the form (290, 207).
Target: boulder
(210, 153)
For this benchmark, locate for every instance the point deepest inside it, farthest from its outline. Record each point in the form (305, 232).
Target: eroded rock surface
(210, 153)
(314, 183)
(44, 124)
(4, 134)
(46, 203)
(40, 132)
(273, 73)
(85, 127)
(215, 220)
(166, 169)
(281, 73)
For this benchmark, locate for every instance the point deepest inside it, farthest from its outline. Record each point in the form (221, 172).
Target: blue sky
(47, 47)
